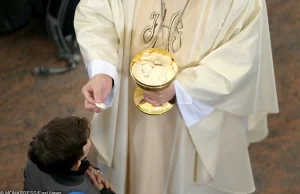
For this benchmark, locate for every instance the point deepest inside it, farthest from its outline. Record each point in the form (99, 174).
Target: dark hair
(59, 144)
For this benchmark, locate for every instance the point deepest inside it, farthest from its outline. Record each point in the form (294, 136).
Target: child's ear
(76, 165)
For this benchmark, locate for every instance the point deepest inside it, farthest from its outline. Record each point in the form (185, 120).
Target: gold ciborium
(159, 78)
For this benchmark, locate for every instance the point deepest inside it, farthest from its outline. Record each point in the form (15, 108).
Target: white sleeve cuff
(181, 96)
(102, 67)
(192, 111)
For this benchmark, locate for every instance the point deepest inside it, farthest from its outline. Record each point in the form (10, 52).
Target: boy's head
(61, 144)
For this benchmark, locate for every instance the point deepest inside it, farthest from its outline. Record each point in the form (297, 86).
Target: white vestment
(226, 79)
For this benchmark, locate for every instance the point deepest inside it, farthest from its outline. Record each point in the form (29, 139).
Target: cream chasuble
(223, 50)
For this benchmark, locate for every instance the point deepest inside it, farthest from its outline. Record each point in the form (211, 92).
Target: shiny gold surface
(148, 108)
(139, 101)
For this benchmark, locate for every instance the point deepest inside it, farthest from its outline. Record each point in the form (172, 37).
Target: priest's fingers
(150, 93)
(152, 101)
(98, 110)
(149, 100)
(88, 105)
(88, 93)
(157, 95)
(157, 98)
(91, 107)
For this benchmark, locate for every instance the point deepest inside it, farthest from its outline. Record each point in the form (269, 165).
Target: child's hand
(97, 179)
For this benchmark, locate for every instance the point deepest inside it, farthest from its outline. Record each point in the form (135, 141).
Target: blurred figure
(14, 14)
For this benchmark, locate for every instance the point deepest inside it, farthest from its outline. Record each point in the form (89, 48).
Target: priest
(224, 91)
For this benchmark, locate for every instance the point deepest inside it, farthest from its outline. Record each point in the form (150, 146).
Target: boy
(57, 159)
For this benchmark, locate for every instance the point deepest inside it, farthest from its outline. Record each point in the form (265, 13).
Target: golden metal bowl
(139, 92)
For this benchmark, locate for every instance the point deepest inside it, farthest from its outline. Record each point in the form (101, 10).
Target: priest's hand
(96, 91)
(160, 97)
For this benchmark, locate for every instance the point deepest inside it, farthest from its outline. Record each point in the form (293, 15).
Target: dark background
(28, 102)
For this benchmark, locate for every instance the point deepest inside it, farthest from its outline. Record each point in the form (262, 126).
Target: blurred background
(33, 52)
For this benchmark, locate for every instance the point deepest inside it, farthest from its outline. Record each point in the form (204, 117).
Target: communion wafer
(100, 105)
(153, 69)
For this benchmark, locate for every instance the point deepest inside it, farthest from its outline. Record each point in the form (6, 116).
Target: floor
(27, 102)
